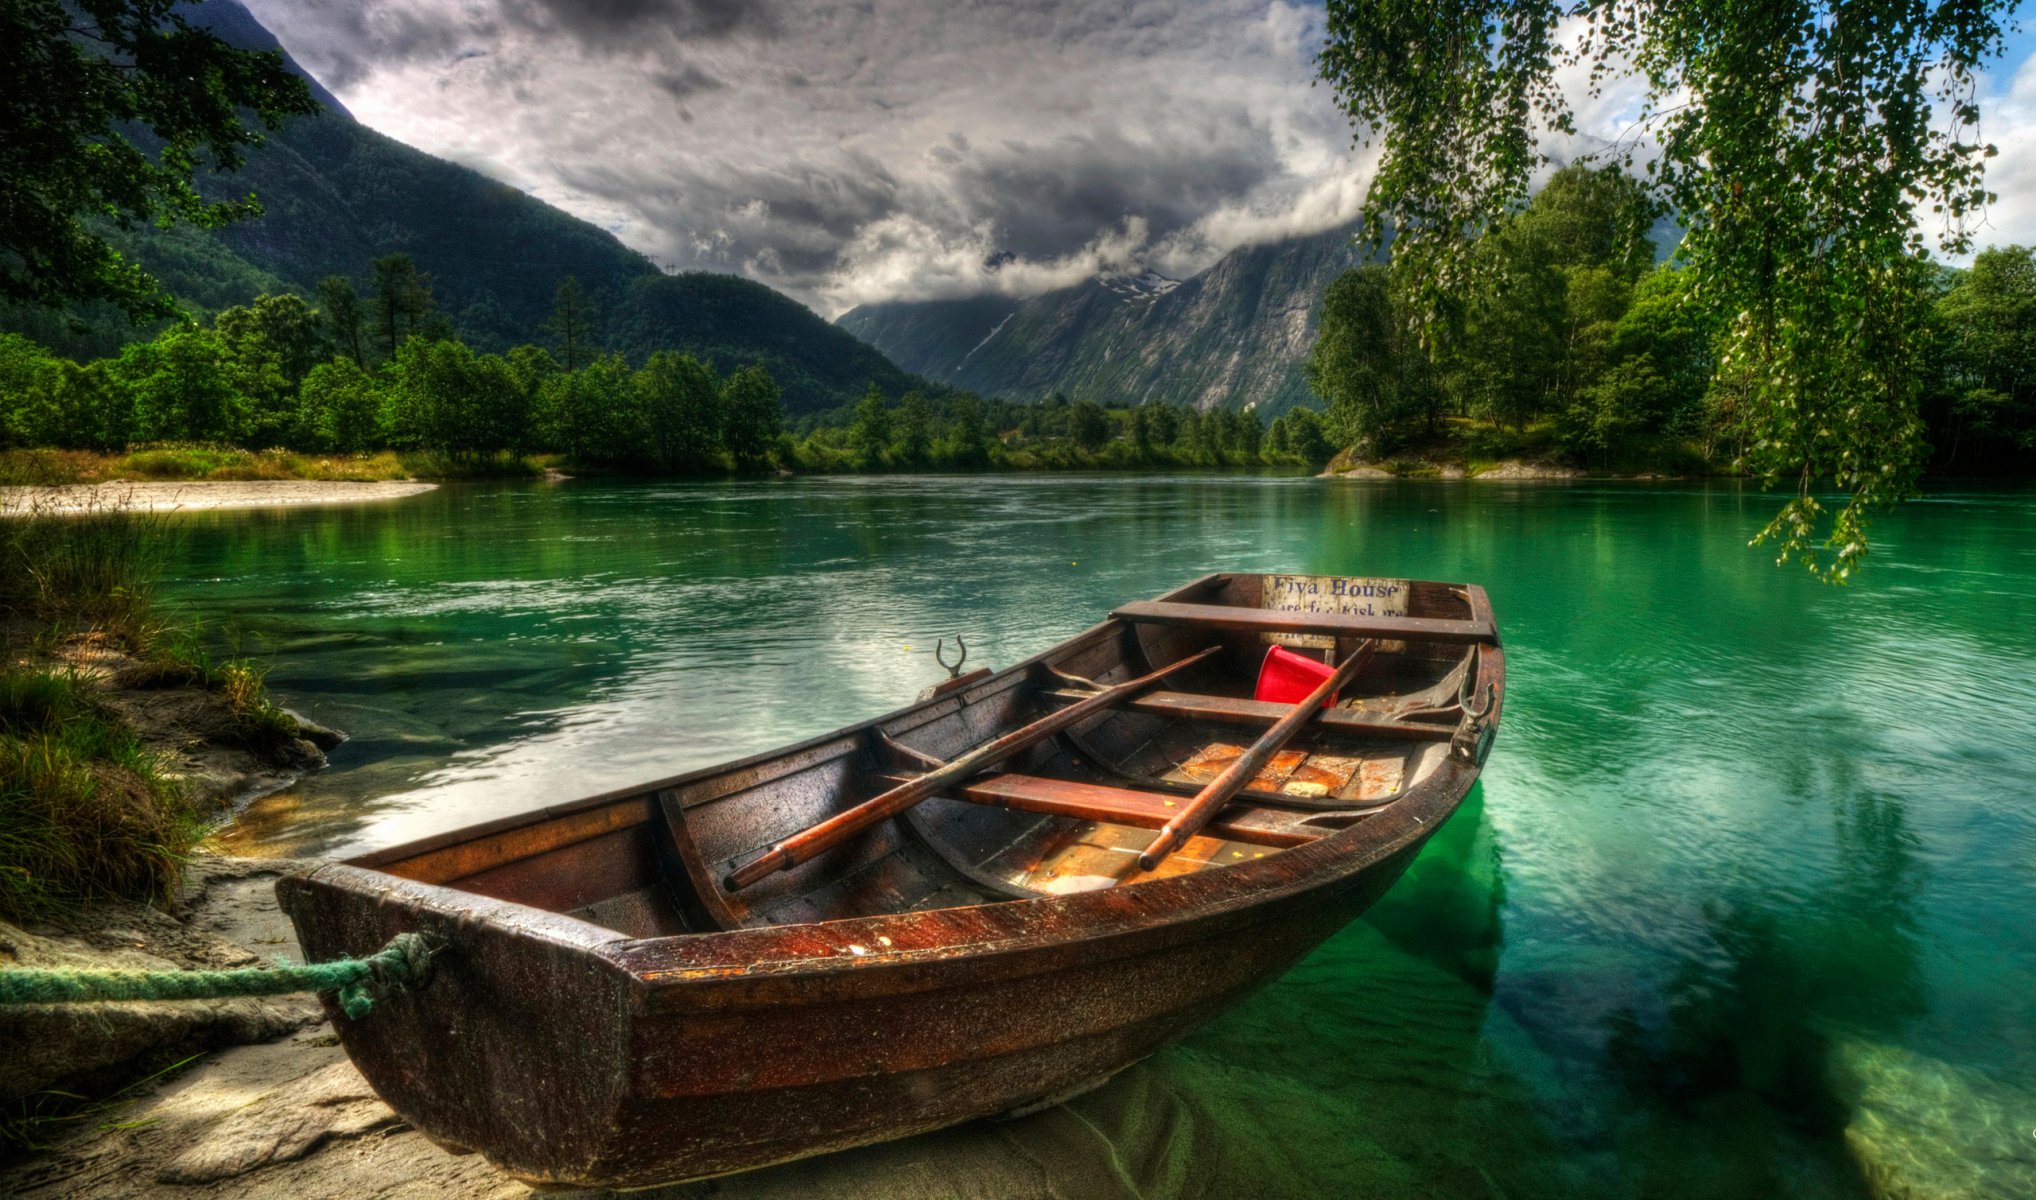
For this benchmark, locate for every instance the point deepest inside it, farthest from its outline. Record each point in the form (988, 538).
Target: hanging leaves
(1795, 144)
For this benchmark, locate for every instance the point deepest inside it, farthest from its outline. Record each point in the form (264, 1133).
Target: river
(1742, 907)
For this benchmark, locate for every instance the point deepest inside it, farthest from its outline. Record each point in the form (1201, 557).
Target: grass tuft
(85, 810)
(175, 659)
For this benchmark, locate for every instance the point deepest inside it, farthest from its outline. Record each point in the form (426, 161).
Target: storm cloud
(887, 149)
(847, 153)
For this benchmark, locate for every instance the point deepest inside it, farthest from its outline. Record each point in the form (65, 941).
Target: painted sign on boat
(1339, 594)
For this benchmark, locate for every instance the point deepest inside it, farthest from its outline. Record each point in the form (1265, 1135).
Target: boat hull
(596, 1078)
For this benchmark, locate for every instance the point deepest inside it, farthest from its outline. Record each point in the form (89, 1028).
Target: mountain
(337, 195)
(1233, 335)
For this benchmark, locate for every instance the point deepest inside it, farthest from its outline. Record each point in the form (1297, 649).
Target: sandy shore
(199, 496)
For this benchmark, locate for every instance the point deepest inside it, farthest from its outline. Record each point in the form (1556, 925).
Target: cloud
(847, 153)
(900, 149)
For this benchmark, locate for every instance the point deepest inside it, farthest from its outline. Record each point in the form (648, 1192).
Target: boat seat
(1251, 824)
(1235, 710)
(1267, 620)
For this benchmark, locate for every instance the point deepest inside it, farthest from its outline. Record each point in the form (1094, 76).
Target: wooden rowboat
(955, 910)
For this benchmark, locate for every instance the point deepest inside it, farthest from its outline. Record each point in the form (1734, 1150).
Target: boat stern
(515, 1046)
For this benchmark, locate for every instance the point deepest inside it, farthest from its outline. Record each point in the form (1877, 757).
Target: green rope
(402, 964)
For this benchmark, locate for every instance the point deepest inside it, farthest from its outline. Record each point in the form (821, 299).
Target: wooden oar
(811, 842)
(1246, 768)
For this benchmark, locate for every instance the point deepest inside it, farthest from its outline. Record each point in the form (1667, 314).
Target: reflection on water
(1741, 907)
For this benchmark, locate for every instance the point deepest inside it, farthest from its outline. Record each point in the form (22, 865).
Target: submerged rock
(1923, 1129)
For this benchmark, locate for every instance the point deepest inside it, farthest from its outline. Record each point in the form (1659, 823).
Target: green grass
(96, 569)
(85, 811)
(40, 1121)
(176, 657)
(200, 462)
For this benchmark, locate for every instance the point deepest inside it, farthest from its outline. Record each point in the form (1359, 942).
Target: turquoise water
(1742, 907)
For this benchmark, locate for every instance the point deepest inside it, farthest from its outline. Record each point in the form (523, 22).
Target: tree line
(1571, 326)
(954, 431)
(383, 371)
(378, 367)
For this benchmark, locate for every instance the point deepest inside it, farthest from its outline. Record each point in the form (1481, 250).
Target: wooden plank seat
(1250, 824)
(1264, 620)
(1235, 710)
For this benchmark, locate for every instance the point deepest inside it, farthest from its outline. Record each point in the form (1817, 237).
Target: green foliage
(681, 405)
(1796, 143)
(870, 437)
(84, 81)
(1299, 435)
(85, 811)
(914, 430)
(592, 415)
(1087, 427)
(343, 316)
(1982, 398)
(967, 441)
(401, 303)
(273, 344)
(341, 408)
(1365, 362)
(183, 386)
(52, 402)
(753, 415)
(571, 322)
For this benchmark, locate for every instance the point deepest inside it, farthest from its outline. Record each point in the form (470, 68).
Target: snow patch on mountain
(1141, 285)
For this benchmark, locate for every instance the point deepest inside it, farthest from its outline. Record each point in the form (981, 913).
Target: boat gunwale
(768, 953)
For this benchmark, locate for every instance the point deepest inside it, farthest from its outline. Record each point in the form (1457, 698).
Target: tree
(1088, 425)
(51, 401)
(1306, 439)
(109, 107)
(183, 387)
(1794, 144)
(595, 414)
(274, 342)
(1248, 428)
(340, 407)
(444, 397)
(343, 315)
(1986, 389)
(753, 416)
(1166, 423)
(1142, 429)
(968, 433)
(1364, 363)
(870, 436)
(402, 299)
(914, 429)
(571, 322)
(1203, 434)
(681, 404)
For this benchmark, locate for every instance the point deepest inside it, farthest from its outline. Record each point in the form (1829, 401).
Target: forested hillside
(337, 195)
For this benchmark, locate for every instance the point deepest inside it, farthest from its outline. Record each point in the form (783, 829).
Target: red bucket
(1286, 677)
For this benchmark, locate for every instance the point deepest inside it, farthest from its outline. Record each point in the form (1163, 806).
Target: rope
(403, 964)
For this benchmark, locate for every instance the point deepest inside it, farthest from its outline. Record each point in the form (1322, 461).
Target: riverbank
(111, 765)
(198, 496)
(204, 463)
